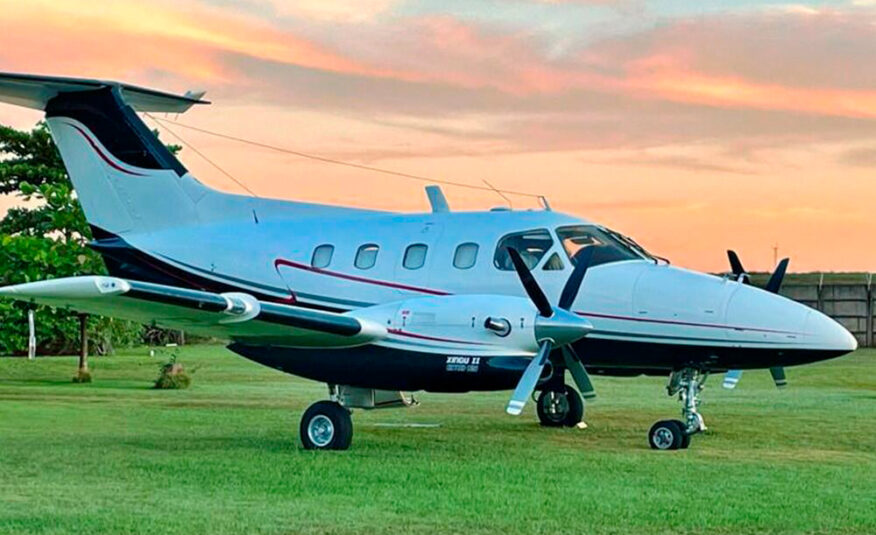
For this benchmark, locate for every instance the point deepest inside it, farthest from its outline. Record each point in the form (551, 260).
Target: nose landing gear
(687, 383)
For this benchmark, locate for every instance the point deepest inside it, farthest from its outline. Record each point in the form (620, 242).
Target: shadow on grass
(183, 444)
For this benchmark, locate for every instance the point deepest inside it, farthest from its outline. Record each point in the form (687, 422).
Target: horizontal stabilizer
(33, 91)
(233, 315)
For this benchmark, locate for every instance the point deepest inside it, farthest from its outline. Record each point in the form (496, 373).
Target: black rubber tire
(574, 414)
(576, 407)
(666, 435)
(341, 422)
(685, 437)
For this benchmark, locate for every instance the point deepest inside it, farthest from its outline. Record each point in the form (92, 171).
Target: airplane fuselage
(649, 317)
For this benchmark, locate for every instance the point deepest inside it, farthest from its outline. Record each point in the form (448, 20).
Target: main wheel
(558, 409)
(326, 425)
(667, 435)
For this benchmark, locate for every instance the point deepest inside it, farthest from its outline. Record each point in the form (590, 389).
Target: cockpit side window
(608, 249)
(532, 246)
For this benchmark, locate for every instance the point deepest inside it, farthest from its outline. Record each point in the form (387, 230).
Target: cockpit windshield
(611, 246)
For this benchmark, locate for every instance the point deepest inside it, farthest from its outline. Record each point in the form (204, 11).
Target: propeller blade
(570, 290)
(775, 282)
(735, 264)
(530, 285)
(579, 374)
(731, 379)
(528, 380)
(779, 378)
(737, 269)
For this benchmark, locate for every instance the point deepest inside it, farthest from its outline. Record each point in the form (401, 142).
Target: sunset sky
(692, 126)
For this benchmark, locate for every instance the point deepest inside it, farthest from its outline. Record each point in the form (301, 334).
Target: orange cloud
(644, 131)
(737, 92)
(168, 29)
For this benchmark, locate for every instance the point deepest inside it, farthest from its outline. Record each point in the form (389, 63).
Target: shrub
(172, 376)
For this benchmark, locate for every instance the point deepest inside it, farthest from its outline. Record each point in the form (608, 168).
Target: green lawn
(223, 457)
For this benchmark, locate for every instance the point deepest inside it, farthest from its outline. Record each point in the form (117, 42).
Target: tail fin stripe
(103, 156)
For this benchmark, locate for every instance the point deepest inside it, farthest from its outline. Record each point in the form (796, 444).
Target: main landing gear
(327, 424)
(676, 434)
(560, 408)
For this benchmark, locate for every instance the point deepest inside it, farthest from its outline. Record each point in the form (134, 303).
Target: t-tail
(125, 178)
(132, 188)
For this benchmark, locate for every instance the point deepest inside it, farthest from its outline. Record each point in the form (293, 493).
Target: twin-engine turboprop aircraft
(378, 304)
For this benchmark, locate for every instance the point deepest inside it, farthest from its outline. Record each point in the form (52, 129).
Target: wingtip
(84, 286)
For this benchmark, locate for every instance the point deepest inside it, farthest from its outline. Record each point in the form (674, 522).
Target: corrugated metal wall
(850, 304)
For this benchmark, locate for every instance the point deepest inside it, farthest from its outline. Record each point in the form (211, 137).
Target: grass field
(223, 457)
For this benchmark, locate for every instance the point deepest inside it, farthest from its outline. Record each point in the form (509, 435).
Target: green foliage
(172, 375)
(46, 238)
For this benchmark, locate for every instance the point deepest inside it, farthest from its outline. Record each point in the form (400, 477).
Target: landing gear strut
(327, 425)
(560, 408)
(687, 383)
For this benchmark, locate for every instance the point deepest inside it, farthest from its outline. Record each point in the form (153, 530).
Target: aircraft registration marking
(462, 364)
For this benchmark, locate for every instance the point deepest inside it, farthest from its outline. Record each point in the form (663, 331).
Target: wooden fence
(850, 304)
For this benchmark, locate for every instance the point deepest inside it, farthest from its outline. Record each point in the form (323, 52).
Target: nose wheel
(687, 383)
(563, 408)
(668, 435)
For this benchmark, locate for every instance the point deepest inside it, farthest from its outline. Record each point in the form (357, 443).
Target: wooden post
(31, 336)
(819, 306)
(83, 339)
(182, 338)
(870, 322)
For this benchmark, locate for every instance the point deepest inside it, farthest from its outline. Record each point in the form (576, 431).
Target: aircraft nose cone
(830, 333)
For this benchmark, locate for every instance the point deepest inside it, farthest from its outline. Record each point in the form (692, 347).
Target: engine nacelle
(478, 323)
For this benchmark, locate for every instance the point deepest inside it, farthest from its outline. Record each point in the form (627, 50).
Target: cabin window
(415, 256)
(532, 246)
(322, 256)
(465, 256)
(366, 256)
(554, 263)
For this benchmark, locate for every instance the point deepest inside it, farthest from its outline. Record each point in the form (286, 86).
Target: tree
(47, 237)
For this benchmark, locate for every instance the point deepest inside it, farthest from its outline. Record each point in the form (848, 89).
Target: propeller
(773, 285)
(775, 282)
(555, 327)
(579, 374)
(737, 269)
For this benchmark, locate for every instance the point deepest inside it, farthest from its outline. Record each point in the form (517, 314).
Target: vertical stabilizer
(125, 178)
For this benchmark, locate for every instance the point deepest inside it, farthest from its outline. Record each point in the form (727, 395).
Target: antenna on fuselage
(499, 193)
(437, 199)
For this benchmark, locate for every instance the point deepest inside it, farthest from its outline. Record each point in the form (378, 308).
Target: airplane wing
(235, 316)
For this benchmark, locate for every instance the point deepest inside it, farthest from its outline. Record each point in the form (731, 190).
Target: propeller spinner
(554, 327)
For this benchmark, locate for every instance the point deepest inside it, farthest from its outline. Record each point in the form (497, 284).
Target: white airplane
(379, 304)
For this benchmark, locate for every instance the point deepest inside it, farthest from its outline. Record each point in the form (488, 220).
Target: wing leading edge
(237, 316)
